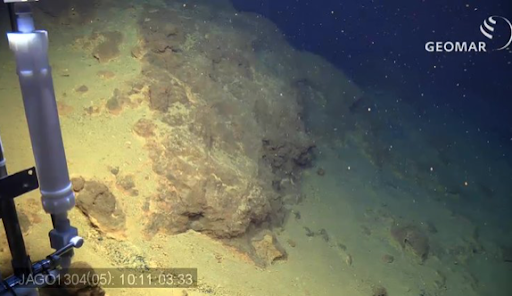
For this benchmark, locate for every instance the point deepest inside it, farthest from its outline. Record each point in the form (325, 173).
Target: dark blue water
(382, 45)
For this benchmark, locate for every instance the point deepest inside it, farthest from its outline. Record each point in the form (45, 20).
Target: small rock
(92, 110)
(267, 248)
(144, 128)
(82, 89)
(113, 104)
(348, 260)
(114, 170)
(325, 236)
(77, 184)
(105, 74)
(379, 291)
(320, 172)
(309, 232)
(101, 207)
(137, 52)
(117, 101)
(292, 243)
(388, 258)
(126, 182)
(109, 48)
(297, 215)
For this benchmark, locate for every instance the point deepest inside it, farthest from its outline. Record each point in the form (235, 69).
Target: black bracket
(18, 184)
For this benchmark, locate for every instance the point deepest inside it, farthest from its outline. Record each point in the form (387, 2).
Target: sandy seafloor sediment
(338, 238)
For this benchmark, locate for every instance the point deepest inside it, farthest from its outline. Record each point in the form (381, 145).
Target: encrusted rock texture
(96, 201)
(233, 133)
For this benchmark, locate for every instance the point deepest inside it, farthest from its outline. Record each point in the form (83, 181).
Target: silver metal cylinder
(31, 51)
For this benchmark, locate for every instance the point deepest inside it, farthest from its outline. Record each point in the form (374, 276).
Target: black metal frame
(11, 187)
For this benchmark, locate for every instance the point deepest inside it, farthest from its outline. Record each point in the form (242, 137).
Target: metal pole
(20, 259)
(12, 17)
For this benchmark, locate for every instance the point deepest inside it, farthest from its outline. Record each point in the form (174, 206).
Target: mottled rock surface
(101, 207)
(233, 144)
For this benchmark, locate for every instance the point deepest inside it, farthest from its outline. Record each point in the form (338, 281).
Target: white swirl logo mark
(487, 29)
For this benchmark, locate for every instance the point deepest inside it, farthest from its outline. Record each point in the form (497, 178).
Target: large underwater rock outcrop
(232, 126)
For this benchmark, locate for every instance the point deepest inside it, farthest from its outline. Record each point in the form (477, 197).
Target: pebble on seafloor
(388, 258)
(348, 260)
(320, 172)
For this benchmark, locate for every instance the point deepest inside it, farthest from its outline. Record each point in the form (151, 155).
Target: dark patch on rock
(155, 223)
(206, 205)
(144, 128)
(101, 207)
(117, 101)
(168, 223)
(163, 95)
(78, 184)
(108, 48)
(287, 156)
(174, 119)
(126, 182)
(159, 34)
(159, 97)
(411, 237)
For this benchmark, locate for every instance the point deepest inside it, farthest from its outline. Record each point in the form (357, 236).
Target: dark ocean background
(371, 40)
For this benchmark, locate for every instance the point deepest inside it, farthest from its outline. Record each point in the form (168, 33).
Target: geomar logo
(488, 29)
